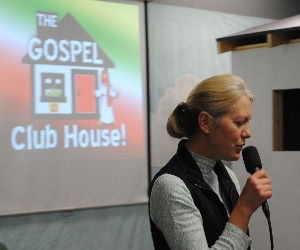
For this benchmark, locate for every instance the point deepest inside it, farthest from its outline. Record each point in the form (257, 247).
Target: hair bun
(181, 107)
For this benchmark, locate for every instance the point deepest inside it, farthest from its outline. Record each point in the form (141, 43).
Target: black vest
(212, 210)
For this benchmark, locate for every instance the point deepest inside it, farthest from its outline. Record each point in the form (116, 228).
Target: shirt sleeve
(173, 211)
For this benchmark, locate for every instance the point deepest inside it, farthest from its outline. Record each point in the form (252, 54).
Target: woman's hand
(257, 190)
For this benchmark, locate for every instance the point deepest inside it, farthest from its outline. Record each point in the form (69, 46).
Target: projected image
(73, 94)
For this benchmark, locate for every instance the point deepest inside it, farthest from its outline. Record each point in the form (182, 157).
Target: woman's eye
(239, 124)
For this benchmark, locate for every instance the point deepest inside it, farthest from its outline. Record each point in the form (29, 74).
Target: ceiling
(274, 9)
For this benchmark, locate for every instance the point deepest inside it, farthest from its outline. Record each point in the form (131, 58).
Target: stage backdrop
(73, 108)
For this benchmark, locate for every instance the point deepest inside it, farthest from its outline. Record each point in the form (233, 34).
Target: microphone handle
(265, 206)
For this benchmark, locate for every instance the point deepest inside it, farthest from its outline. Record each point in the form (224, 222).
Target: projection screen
(73, 105)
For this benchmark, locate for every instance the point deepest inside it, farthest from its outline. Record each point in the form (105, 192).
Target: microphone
(253, 163)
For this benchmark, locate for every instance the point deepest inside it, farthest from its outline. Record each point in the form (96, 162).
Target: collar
(195, 175)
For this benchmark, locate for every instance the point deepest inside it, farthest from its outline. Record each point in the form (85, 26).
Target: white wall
(183, 51)
(264, 70)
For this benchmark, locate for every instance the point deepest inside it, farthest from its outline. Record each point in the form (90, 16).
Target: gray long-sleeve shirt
(173, 211)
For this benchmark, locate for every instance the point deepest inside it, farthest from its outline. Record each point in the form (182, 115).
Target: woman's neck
(199, 144)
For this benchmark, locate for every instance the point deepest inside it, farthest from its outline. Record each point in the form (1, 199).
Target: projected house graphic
(66, 66)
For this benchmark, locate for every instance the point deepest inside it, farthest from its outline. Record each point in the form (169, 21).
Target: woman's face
(229, 136)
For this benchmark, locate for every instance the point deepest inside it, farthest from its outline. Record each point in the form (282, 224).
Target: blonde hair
(214, 95)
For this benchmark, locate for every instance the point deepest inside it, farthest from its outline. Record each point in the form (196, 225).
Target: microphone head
(251, 159)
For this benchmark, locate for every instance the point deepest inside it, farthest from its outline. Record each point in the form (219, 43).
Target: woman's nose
(246, 132)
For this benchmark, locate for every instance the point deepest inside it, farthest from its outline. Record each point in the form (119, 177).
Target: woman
(194, 200)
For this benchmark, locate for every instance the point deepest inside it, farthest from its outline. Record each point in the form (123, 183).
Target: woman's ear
(204, 120)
